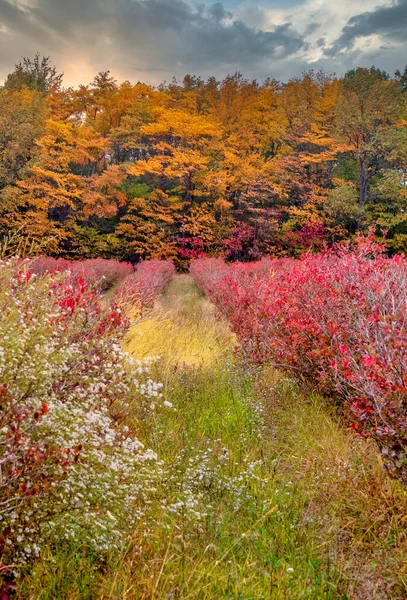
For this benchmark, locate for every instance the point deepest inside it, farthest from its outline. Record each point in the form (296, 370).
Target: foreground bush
(68, 470)
(100, 273)
(337, 320)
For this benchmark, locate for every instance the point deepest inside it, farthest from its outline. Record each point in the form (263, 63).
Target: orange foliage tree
(192, 167)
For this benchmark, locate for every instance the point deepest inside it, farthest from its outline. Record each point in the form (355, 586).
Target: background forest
(233, 167)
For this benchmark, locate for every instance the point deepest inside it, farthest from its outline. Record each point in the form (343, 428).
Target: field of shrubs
(213, 482)
(337, 320)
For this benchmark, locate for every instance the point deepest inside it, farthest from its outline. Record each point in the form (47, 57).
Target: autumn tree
(176, 152)
(35, 74)
(402, 79)
(22, 117)
(370, 104)
(148, 225)
(53, 189)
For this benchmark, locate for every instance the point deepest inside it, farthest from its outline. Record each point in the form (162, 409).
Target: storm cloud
(388, 22)
(156, 39)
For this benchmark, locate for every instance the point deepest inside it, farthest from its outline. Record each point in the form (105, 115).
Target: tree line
(235, 167)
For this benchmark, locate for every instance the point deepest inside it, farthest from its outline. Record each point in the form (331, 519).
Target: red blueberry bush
(100, 273)
(144, 285)
(69, 471)
(338, 320)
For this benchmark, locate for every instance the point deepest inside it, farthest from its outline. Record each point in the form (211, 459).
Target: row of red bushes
(336, 319)
(142, 283)
(100, 273)
(146, 283)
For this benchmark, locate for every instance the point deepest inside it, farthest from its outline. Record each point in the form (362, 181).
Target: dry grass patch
(181, 330)
(358, 511)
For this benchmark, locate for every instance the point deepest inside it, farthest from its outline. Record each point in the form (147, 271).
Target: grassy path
(287, 505)
(265, 497)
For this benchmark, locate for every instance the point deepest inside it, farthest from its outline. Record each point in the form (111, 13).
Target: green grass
(316, 517)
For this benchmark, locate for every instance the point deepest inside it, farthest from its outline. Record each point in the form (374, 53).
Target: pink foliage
(103, 273)
(336, 319)
(48, 264)
(310, 236)
(147, 282)
(100, 273)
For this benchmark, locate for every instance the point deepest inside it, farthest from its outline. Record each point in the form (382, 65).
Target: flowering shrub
(337, 320)
(100, 273)
(68, 469)
(141, 288)
(205, 480)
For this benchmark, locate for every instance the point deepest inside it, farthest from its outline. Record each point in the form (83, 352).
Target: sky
(154, 40)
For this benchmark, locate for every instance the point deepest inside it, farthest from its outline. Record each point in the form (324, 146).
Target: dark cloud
(312, 27)
(389, 21)
(218, 12)
(206, 36)
(320, 43)
(134, 33)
